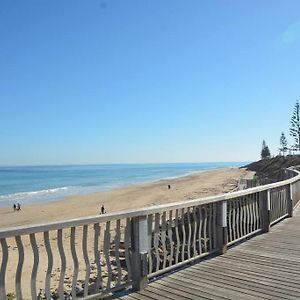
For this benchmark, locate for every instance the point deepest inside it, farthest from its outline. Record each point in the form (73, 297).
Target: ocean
(37, 184)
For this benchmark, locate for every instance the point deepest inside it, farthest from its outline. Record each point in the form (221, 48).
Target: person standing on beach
(102, 210)
(15, 207)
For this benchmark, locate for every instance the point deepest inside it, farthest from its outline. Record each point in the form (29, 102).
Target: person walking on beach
(15, 207)
(18, 206)
(102, 210)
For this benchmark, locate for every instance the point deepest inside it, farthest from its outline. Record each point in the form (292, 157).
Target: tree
(265, 152)
(283, 144)
(295, 126)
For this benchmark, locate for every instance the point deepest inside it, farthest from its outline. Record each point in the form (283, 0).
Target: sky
(116, 81)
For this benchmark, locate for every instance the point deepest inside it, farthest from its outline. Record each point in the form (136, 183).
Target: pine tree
(265, 152)
(283, 144)
(295, 126)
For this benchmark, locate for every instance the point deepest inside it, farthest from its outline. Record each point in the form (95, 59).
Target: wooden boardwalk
(264, 267)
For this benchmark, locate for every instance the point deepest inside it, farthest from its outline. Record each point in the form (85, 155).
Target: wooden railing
(101, 254)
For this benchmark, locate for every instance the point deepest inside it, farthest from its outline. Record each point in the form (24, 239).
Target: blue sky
(146, 80)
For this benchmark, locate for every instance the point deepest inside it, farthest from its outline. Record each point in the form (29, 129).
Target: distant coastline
(43, 184)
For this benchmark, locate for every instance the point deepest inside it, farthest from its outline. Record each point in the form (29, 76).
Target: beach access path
(264, 267)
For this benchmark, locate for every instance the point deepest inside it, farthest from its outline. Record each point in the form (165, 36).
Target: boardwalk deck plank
(270, 276)
(231, 284)
(179, 290)
(257, 283)
(286, 287)
(213, 288)
(264, 267)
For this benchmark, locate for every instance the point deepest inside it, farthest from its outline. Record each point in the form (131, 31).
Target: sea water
(36, 184)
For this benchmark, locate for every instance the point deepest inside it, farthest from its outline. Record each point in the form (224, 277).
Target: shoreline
(98, 191)
(186, 187)
(48, 184)
(193, 186)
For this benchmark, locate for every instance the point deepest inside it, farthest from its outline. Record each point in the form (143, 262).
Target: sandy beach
(188, 187)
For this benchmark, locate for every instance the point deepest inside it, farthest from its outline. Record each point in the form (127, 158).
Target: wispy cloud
(291, 34)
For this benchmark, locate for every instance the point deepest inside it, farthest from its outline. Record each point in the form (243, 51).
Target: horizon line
(121, 163)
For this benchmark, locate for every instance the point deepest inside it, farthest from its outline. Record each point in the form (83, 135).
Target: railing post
(139, 253)
(222, 238)
(290, 200)
(264, 207)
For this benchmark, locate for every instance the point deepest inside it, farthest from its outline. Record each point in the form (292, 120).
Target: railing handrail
(130, 213)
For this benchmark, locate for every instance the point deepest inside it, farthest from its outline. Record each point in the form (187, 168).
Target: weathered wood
(98, 283)
(75, 262)
(139, 253)
(63, 263)
(264, 210)
(265, 267)
(35, 251)
(289, 195)
(4, 261)
(170, 238)
(196, 231)
(19, 268)
(117, 245)
(222, 235)
(86, 259)
(106, 255)
(50, 265)
(127, 237)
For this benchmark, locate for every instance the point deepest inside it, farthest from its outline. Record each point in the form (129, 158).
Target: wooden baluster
(214, 205)
(254, 211)
(50, 265)
(150, 229)
(117, 250)
(75, 261)
(241, 221)
(205, 228)
(35, 251)
(278, 204)
(210, 226)
(275, 205)
(127, 239)
(238, 217)
(195, 232)
(189, 232)
(19, 268)
(106, 253)
(163, 239)
(177, 237)
(200, 229)
(229, 206)
(289, 200)
(86, 259)
(63, 263)
(4, 262)
(243, 216)
(156, 232)
(258, 221)
(183, 235)
(250, 213)
(170, 237)
(234, 219)
(98, 282)
(247, 214)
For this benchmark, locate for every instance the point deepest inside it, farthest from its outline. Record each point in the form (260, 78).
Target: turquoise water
(32, 184)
